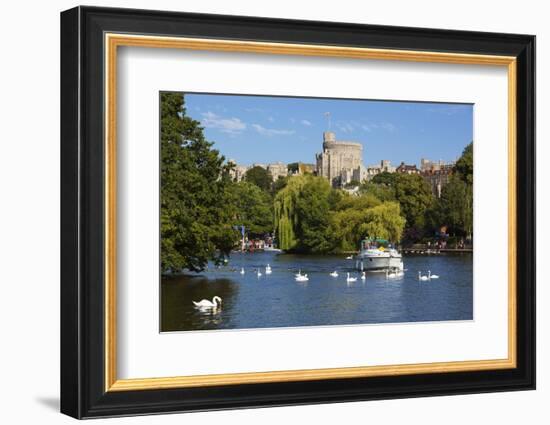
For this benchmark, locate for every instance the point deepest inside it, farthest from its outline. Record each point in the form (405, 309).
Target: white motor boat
(378, 255)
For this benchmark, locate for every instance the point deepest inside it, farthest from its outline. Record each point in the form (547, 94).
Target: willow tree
(383, 221)
(285, 217)
(365, 216)
(302, 210)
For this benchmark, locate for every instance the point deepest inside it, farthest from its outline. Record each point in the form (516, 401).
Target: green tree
(302, 211)
(381, 191)
(415, 198)
(260, 177)
(284, 206)
(464, 167)
(252, 207)
(383, 221)
(196, 225)
(279, 184)
(358, 217)
(454, 208)
(385, 178)
(312, 210)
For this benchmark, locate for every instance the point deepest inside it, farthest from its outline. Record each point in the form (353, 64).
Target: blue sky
(264, 129)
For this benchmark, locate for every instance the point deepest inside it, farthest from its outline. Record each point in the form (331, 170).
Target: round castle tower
(340, 159)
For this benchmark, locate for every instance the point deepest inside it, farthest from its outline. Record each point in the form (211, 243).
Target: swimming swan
(216, 302)
(363, 276)
(334, 273)
(302, 278)
(351, 279)
(268, 269)
(258, 273)
(420, 277)
(242, 270)
(432, 276)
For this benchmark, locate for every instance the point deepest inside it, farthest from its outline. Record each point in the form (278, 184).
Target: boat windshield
(375, 243)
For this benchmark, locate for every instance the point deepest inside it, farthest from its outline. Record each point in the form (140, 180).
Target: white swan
(216, 302)
(420, 277)
(302, 278)
(334, 273)
(242, 270)
(432, 276)
(298, 274)
(258, 273)
(363, 276)
(349, 257)
(351, 279)
(268, 269)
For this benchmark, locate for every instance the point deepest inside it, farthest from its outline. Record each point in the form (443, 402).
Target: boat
(271, 248)
(378, 254)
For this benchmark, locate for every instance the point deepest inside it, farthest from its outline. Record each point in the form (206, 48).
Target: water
(277, 300)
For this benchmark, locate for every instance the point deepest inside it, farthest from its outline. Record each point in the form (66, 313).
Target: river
(277, 300)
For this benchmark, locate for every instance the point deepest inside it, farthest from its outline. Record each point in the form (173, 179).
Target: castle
(341, 161)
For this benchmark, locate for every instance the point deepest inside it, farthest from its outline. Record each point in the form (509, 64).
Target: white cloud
(351, 126)
(306, 123)
(346, 127)
(225, 125)
(271, 131)
(388, 126)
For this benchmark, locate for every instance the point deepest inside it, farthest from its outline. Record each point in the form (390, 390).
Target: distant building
(238, 171)
(429, 165)
(384, 167)
(407, 169)
(300, 168)
(436, 174)
(277, 169)
(341, 161)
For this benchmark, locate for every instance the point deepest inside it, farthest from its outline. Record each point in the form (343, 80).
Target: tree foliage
(252, 207)
(464, 167)
(310, 216)
(415, 197)
(312, 209)
(196, 226)
(383, 192)
(455, 207)
(385, 178)
(260, 177)
(359, 217)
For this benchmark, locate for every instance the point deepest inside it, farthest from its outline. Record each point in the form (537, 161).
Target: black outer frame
(82, 212)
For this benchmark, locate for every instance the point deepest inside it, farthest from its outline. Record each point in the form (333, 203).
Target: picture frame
(90, 39)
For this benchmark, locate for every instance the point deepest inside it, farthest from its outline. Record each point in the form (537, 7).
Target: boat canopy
(377, 240)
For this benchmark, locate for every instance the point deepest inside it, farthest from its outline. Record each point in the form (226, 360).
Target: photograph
(300, 211)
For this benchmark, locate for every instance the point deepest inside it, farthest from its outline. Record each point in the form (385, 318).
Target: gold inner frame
(113, 41)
